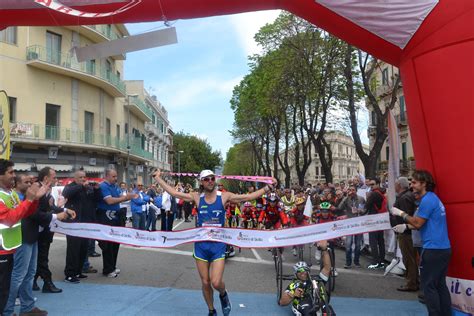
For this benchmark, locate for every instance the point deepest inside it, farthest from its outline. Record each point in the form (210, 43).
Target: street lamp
(179, 164)
(128, 137)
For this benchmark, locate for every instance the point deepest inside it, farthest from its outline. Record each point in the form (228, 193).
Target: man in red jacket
(11, 212)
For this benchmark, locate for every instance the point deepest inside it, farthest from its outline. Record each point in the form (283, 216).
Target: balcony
(53, 135)
(67, 65)
(139, 108)
(151, 129)
(401, 120)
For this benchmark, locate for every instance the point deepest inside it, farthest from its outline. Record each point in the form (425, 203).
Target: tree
(240, 160)
(197, 154)
(365, 75)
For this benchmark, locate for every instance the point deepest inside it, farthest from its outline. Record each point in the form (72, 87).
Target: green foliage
(197, 154)
(239, 161)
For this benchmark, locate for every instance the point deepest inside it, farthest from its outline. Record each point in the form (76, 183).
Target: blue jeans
(357, 241)
(24, 270)
(151, 219)
(138, 220)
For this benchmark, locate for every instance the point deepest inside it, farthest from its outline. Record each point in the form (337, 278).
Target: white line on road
(176, 226)
(255, 253)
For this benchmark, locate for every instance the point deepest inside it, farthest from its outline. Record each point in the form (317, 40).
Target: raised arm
(239, 198)
(188, 197)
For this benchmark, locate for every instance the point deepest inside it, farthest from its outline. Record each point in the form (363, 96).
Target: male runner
(209, 255)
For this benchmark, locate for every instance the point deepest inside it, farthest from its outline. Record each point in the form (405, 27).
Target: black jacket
(406, 202)
(42, 217)
(83, 200)
(374, 201)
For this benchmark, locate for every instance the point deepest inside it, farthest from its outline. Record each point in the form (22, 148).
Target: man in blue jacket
(138, 206)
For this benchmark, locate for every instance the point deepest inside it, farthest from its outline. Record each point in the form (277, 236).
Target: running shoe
(225, 303)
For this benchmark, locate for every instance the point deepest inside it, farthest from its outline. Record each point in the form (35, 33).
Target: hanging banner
(4, 126)
(59, 7)
(262, 179)
(244, 238)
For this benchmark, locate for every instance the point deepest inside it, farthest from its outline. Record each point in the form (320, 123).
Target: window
(9, 35)
(117, 131)
(108, 69)
(153, 119)
(402, 109)
(108, 131)
(88, 127)
(90, 67)
(118, 74)
(385, 77)
(349, 171)
(52, 121)
(12, 102)
(317, 171)
(339, 149)
(387, 153)
(53, 48)
(404, 151)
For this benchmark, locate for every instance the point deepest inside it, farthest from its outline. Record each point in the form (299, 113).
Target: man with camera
(82, 197)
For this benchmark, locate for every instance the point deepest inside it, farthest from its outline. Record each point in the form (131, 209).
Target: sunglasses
(207, 179)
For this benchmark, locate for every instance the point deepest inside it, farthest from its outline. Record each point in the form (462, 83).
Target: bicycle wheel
(332, 278)
(279, 277)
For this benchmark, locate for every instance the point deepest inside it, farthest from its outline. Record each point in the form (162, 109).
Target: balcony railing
(141, 106)
(69, 61)
(105, 31)
(24, 131)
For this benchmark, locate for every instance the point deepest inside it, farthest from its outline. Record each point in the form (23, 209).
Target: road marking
(176, 226)
(255, 253)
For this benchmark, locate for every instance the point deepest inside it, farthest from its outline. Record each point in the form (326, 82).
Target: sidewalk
(117, 300)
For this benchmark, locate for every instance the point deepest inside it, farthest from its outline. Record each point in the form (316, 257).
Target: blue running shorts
(209, 251)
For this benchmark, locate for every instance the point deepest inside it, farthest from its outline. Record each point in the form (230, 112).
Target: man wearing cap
(209, 255)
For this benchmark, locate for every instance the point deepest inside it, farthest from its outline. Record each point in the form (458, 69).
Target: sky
(194, 78)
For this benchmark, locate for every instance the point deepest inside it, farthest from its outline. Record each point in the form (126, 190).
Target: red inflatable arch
(430, 41)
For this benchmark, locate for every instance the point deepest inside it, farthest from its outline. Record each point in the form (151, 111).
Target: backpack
(384, 207)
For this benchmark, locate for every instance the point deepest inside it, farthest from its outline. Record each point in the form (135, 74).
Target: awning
(22, 166)
(93, 169)
(58, 167)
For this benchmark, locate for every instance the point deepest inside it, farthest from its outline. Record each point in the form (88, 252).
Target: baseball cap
(205, 173)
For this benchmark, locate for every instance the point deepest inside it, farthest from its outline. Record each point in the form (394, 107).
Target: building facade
(383, 80)
(346, 163)
(68, 114)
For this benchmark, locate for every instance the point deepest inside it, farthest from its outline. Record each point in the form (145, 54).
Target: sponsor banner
(244, 238)
(59, 7)
(462, 294)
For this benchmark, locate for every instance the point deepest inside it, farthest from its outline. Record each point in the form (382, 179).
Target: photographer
(81, 197)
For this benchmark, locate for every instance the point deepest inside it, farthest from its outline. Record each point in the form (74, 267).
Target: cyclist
(308, 296)
(272, 215)
(288, 200)
(232, 215)
(297, 217)
(249, 218)
(325, 215)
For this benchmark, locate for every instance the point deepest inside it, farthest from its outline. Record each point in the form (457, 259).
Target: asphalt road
(251, 270)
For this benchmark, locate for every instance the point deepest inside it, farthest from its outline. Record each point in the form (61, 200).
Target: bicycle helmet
(247, 204)
(325, 206)
(301, 267)
(272, 197)
(300, 200)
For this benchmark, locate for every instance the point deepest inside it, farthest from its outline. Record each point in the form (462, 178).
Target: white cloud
(184, 93)
(248, 24)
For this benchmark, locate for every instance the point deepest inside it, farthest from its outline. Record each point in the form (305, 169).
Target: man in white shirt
(167, 216)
